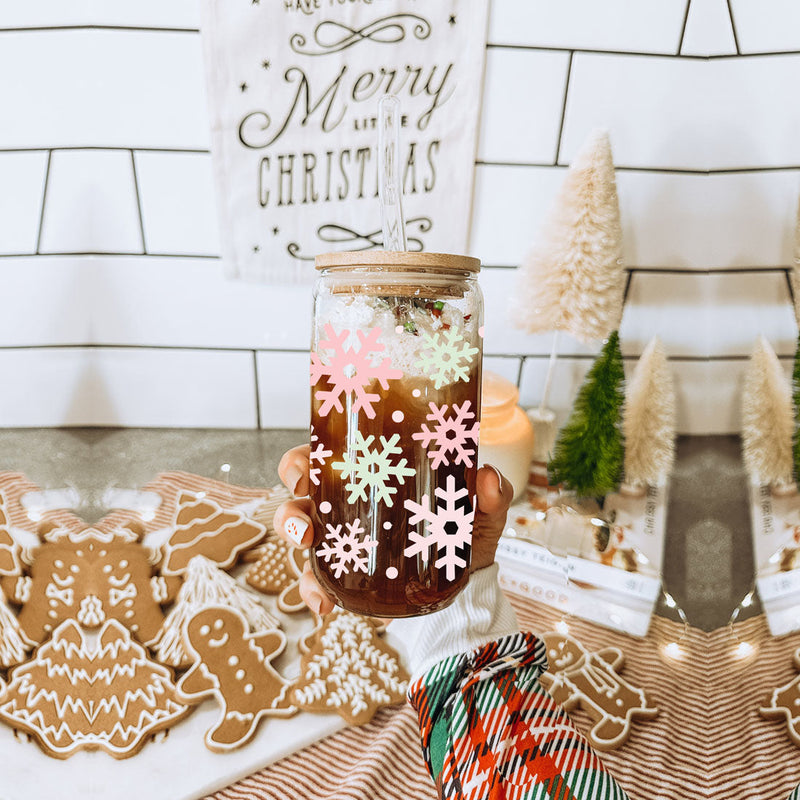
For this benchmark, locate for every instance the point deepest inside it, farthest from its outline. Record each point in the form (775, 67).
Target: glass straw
(389, 189)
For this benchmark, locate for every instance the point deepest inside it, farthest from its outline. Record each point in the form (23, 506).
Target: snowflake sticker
(350, 371)
(319, 454)
(372, 469)
(445, 357)
(449, 527)
(341, 550)
(451, 434)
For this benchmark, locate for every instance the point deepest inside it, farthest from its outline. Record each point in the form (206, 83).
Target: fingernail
(314, 602)
(499, 477)
(293, 475)
(295, 528)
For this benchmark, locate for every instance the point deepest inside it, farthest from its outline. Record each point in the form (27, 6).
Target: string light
(742, 648)
(674, 650)
(562, 627)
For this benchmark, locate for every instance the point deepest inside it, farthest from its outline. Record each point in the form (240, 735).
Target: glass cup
(395, 401)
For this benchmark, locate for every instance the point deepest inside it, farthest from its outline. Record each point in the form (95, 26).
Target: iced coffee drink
(395, 396)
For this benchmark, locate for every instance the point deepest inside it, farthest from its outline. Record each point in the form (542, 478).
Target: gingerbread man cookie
(784, 703)
(233, 666)
(348, 669)
(204, 528)
(204, 585)
(578, 678)
(278, 572)
(77, 693)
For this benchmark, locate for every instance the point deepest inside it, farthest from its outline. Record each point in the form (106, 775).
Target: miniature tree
(649, 419)
(767, 420)
(205, 584)
(573, 279)
(795, 272)
(796, 406)
(589, 451)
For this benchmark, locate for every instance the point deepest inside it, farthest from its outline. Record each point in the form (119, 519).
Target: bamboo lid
(398, 260)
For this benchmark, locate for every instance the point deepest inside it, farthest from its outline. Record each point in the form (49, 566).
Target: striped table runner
(708, 740)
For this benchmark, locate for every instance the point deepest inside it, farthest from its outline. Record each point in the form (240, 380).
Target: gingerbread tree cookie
(233, 665)
(9, 549)
(206, 585)
(578, 678)
(73, 695)
(349, 669)
(278, 572)
(13, 643)
(204, 528)
(784, 703)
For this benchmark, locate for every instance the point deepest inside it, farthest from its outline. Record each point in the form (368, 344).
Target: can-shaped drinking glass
(396, 357)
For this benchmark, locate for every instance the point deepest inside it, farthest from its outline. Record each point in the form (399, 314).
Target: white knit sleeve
(479, 615)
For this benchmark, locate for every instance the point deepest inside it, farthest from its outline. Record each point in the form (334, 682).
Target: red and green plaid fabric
(491, 732)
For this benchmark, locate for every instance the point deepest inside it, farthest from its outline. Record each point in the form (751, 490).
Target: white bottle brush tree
(572, 279)
(767, 419)
(649, 419)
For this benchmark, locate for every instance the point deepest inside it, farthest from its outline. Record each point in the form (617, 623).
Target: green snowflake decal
(446, 357)
(372, 469)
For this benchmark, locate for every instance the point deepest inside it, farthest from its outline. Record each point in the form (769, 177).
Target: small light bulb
(225, 468)
(673, 650)
(200, 495)
(743, 650)
(562, 627)
(148, 515)
(748, 600)
(34, 516)
(670, 600)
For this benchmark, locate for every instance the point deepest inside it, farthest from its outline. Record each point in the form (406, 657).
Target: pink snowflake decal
(450, 435)
(446, 542)
(343, 549)
(318, 454)
(351, 370)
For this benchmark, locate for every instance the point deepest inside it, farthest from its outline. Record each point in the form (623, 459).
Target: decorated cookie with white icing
(234, 667)
(87, 693)
(349, 670)
(206, 585)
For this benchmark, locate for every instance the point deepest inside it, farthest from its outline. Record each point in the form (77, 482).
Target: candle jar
(395, 403)
(506, 432)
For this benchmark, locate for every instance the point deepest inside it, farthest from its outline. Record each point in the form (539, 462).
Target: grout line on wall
(185, 150)
(304, 351)
(621, 168)
(258, 394)
(683, 28)
(563, 110)
(706, 270)
(110, 254)
(137, 28)
(788, 274)
(138, 202)
(627, 288)
(733, 28)
(589, 51)
(44, 200)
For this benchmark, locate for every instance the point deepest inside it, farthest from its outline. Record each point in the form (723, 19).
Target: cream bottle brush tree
(649, 419)
(573, 279)
(767, 421)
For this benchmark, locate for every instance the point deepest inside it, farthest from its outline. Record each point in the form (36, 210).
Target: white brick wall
(109, 123)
